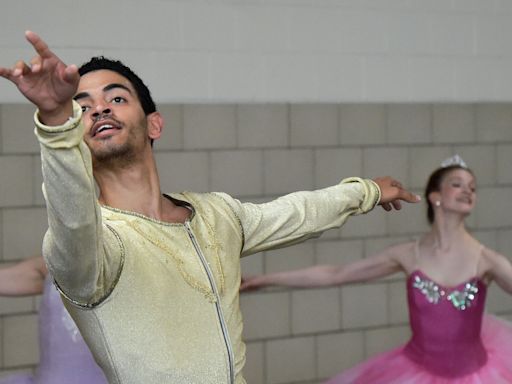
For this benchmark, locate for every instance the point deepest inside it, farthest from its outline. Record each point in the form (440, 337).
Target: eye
(118, 100)
(85, 108)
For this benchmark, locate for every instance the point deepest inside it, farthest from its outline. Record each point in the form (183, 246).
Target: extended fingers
(20, 68)
(39, 45)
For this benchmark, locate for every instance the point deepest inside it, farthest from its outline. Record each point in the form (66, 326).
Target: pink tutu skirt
(394, 367)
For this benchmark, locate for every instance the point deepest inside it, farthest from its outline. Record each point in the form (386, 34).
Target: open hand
(47, 81)
(392, 193)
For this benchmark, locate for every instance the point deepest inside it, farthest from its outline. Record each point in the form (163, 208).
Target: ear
(433, 197)
(155, 125)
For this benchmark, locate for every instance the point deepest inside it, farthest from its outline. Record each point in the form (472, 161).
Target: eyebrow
(83, 95)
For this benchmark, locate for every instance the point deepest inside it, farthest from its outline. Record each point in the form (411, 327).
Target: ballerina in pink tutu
(64, 356)
(448, 272)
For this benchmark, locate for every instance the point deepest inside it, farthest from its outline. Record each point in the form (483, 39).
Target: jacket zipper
(220, 315)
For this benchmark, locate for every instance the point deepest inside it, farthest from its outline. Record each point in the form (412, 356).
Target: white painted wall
(281, 50)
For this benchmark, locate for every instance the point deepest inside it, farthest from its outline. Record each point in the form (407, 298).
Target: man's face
(115, 123)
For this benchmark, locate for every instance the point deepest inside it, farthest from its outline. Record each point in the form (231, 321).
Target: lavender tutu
(452, 341)
(64, 356)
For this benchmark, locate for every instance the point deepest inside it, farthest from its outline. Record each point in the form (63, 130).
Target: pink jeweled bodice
(446, 324)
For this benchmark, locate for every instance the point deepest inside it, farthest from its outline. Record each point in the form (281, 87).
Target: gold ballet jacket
(158, 302)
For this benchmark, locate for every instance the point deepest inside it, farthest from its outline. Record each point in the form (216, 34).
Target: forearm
(316, 276)
(24, 278)
(73, 244)
(298, 216)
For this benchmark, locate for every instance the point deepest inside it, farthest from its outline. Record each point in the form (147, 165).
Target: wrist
(56, 116)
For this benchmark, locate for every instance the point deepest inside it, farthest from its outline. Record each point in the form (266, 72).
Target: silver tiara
(454, 160)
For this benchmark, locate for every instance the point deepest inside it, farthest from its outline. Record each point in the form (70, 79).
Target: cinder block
(236, 76)
(183, 171)
(332, 81)
(16, 243)
(362, 124)
(387, 78)
(16, 181)
(239, 173)
(371, 224)
(254, 369)
(287, 171)
(17, 124)
(253, 264)
(313, 125)
(295, 257)
(504, 170)
(315, 310)
(489, 238)
(423, 161)
(505, 243)
(384, 339)
(20, 342)
(285, 80)
(494, 122)
(37, 181)
(386, 161)
(417, 38)
(208, 27)
(454, 123)
(364, 306)
(337, 252)
(262, 125)
(494, 208)
(432, 78)
(290, 360)
(498, 301)
(398, 311)
(172, 134)
(333, 165)
(14, 305)
(409, 123)
(337, 352)
(209, 126)
(373, 246)
(482, 161)
(460, 28)
(181, 76)
(250, 34)
(410, 220)
(265, 314)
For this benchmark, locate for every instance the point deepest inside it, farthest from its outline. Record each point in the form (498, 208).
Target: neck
(133, 188)
(448, 230)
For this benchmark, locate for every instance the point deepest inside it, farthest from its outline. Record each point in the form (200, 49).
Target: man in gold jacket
(152, 280)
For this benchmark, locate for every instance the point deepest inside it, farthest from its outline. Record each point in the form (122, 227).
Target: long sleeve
(82, 254)
(301, 215)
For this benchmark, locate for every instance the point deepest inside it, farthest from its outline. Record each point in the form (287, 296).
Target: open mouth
(102, 128)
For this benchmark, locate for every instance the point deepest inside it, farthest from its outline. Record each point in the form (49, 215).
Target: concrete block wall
(257, 152)
(282, 50)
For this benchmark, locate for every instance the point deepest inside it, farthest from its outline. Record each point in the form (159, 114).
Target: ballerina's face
(458, 192)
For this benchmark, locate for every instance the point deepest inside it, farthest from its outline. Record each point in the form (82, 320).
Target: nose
(100, 110)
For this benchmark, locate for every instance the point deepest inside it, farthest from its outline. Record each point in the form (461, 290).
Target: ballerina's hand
(250, 283)
(47, 81)
(392, 193)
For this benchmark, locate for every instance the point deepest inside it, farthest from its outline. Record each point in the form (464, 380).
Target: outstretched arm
(382, 264)
(24, 278)
(74, 246)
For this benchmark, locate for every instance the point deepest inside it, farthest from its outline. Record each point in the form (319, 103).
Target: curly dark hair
(100, 62)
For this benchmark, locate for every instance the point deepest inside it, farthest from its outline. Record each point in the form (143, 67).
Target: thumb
(71, 74)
